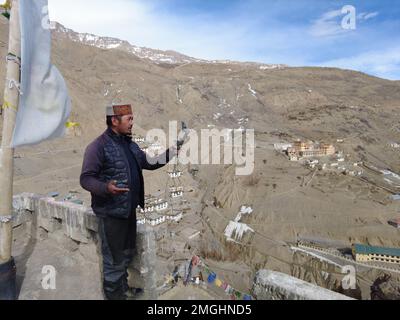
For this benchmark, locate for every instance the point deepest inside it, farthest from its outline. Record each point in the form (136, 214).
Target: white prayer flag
(44, 105)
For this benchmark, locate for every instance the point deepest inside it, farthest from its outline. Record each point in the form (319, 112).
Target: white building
(175, 174)
(155, 220)
(156, 146)
(177, 194)
(282, 146)
(175, 189)
(138, 139)
(161, 206)
(176, 217)
(153, 204)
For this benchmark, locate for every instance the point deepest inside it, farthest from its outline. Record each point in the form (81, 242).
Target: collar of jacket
(117, 137)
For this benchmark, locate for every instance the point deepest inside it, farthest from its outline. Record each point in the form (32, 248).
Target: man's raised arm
(154, 163)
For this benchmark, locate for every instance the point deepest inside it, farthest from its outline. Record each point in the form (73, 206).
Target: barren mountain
(281, 103)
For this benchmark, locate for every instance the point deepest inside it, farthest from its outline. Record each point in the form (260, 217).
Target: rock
(385, 288)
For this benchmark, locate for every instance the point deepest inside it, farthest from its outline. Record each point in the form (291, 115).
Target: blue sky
(293, 32)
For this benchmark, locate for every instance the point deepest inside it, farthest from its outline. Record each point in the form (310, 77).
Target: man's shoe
(134, 293)
(115, 296)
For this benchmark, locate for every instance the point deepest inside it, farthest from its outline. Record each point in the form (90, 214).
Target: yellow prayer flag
(71, 124)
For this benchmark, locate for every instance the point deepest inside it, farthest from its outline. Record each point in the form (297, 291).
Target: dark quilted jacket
(104, 161)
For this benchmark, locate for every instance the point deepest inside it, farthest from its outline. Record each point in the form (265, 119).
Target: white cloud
(328, 24)
(143, 24)
(381, 63)
(238, 35)
(367, 16)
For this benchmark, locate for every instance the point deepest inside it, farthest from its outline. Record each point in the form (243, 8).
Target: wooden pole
(11, 100)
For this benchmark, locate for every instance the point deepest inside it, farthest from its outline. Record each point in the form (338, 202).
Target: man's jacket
(105, 161)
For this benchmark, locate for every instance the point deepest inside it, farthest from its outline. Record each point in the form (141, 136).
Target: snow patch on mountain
(154, 55)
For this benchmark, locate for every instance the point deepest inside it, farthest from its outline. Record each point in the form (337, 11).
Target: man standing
(112, 173)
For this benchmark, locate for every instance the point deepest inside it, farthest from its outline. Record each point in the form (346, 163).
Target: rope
(14, 83)
(7, 105)
(12, 57)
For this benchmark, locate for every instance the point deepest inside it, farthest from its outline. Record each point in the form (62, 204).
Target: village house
(155, 220)
(175, 174)
(175, 216)
(138, 139)
(365, 253)
(302, 149)
(177, 194)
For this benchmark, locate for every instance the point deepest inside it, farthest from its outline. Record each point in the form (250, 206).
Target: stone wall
(74, 227)
(272, 285)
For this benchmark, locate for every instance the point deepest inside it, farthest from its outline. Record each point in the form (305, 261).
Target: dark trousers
(118, 247)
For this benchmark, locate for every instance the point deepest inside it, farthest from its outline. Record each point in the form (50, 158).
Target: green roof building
(365, 253)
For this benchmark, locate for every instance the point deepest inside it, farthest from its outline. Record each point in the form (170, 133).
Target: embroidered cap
(119, 110)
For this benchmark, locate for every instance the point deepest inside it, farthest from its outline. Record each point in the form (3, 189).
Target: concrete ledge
(80, 224)
(271, 285)
(76, 220)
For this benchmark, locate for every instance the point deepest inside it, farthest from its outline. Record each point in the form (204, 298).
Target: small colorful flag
(218, 283)
(70, 124)
(211, 278)
(224, 285)
(228, 289)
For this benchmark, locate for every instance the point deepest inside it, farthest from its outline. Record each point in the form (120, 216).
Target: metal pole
(11, 99)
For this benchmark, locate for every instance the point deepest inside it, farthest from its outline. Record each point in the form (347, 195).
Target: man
(112, 173)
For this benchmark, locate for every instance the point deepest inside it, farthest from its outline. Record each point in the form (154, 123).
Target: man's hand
(113, 189)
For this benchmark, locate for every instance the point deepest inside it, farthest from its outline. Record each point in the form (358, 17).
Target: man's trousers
(118, 247)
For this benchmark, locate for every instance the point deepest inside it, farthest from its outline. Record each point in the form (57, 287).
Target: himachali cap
(119, 110)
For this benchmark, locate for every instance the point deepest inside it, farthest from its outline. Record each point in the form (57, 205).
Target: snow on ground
(253, 92)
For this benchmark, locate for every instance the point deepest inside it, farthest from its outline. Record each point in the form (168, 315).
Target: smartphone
(122, 184)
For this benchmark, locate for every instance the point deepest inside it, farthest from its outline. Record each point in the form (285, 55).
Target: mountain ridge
(155, 55)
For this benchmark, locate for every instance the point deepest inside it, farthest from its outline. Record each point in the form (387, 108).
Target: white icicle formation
(235, 229)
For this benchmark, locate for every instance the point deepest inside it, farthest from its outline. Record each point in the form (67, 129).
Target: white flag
(44, 105)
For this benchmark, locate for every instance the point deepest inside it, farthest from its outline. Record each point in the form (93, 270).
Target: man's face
(123, 127)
